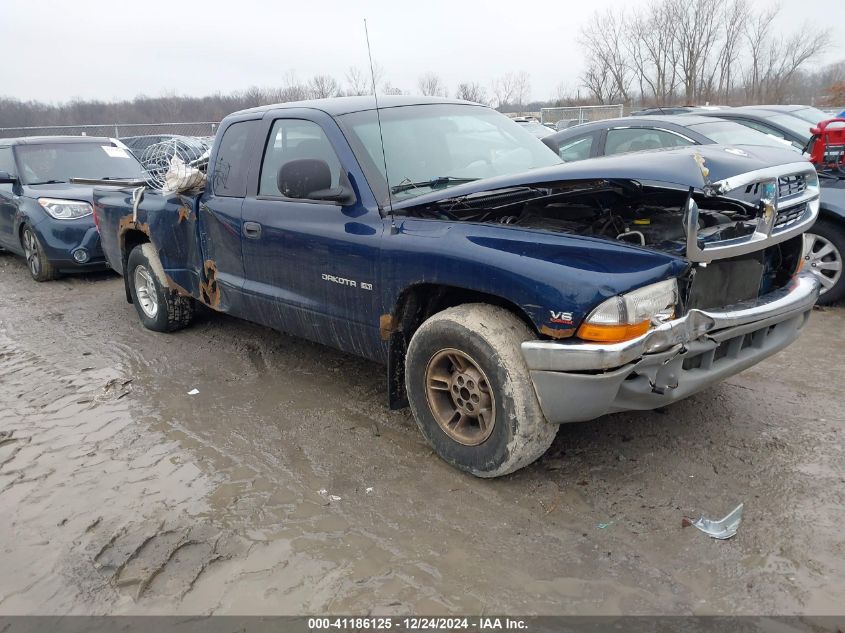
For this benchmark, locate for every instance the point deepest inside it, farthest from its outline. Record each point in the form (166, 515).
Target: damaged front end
(736, 218)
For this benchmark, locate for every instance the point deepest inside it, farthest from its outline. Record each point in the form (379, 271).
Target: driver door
(309, 265)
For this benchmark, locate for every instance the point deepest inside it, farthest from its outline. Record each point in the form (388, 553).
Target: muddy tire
(40, 268)
(159, 308)
(824, 249)
(470, 392)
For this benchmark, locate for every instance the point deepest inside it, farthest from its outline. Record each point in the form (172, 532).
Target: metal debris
(722, 529)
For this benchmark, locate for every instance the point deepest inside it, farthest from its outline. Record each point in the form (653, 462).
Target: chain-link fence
(567, 116)
(115, 130)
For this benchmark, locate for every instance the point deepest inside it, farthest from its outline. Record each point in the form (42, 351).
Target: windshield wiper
(435, 183)
(48, 182)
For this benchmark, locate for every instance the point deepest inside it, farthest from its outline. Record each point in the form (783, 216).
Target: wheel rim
(30, 250)
(823, 259)
(145, 291)
(460, 397)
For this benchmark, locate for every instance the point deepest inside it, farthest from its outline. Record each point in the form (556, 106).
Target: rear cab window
(231, 163)
(7, 161)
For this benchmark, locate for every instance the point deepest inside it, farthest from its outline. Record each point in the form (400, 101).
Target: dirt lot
(286, 486)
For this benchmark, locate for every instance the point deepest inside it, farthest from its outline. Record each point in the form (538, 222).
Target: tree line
(668, 52)
(698, 51)
(510, 92)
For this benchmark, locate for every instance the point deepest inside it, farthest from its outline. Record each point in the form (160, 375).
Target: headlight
(65, 209)
(628, 316)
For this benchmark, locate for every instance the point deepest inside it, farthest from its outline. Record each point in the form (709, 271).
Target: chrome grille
(791, 185)
(790, 215)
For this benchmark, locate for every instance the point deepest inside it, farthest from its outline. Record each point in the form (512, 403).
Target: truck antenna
(380, 135)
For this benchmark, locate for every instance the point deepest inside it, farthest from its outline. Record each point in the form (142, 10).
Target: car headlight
(628, 316)
(65, 209)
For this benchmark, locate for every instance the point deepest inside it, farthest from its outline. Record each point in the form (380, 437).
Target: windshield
(436, 146)
(59, 162)
(731, 132)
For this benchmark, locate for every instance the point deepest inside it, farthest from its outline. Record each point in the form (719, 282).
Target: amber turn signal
(612, 333)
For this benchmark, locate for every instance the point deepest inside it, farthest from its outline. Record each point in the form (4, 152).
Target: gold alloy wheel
(459, 397)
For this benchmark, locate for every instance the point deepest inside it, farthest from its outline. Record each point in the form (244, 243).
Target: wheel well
(415, 305)
(131, 239)
(830, 216)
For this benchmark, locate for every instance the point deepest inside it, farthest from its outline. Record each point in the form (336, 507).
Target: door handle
(252, 230)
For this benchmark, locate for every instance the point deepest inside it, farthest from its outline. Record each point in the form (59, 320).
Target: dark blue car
(43, 216)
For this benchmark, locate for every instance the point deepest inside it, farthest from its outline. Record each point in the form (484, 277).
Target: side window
(298, 159)
(576, 149)
(765, 129)
(231, 164)
(7, 161)
(638, 139)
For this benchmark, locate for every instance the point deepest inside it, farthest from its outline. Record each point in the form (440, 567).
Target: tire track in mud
(83, 487)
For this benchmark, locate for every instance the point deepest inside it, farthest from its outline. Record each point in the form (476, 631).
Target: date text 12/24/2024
(386, 623)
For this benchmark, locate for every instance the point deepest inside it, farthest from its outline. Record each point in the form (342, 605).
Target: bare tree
(604, 41)
(471, 91)
(389, 89)
(357, 83)
(652, 53)
(323, 87)
(511, 89)
(430, 84)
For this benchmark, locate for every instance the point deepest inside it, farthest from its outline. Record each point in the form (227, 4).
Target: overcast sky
(59, 50)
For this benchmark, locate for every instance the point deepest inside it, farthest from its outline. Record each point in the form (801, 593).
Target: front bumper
(582, 381)
(61, 238)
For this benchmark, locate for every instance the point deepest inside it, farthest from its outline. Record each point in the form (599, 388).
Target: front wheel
(824, 247)
(471, 393)
(36, 259)
(159, 308)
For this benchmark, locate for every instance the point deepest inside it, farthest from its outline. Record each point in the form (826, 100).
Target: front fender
(555, 279)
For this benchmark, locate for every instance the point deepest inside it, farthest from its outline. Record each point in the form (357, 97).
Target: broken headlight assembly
(630, 315)
(65, 209)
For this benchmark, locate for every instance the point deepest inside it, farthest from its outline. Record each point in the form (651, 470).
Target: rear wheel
(36, 259)
(471, 393)
(824, 248)
(159, 308)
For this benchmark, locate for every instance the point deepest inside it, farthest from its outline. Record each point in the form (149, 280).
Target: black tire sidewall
(160, 322)
(493, 452)
(45, 266)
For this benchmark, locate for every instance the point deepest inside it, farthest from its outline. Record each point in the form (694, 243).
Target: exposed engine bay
(650, 217)
(617, 210)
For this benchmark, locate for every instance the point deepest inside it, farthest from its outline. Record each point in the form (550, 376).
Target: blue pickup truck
(505, 292)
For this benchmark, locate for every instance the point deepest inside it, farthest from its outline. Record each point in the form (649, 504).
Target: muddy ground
(286, 486)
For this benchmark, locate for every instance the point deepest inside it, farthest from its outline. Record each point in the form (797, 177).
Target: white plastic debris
(182, 177)
(193, 392)
(369, 490)
(722, 529)
(334, 498)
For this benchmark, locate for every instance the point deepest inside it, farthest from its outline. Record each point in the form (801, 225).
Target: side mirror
(311, 179)
(341, 195)
(7, 179)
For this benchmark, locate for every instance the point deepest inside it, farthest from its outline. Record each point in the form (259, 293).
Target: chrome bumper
(581, 381)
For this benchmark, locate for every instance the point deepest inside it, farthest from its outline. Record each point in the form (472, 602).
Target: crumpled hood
(695, 166)
(63, 190)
